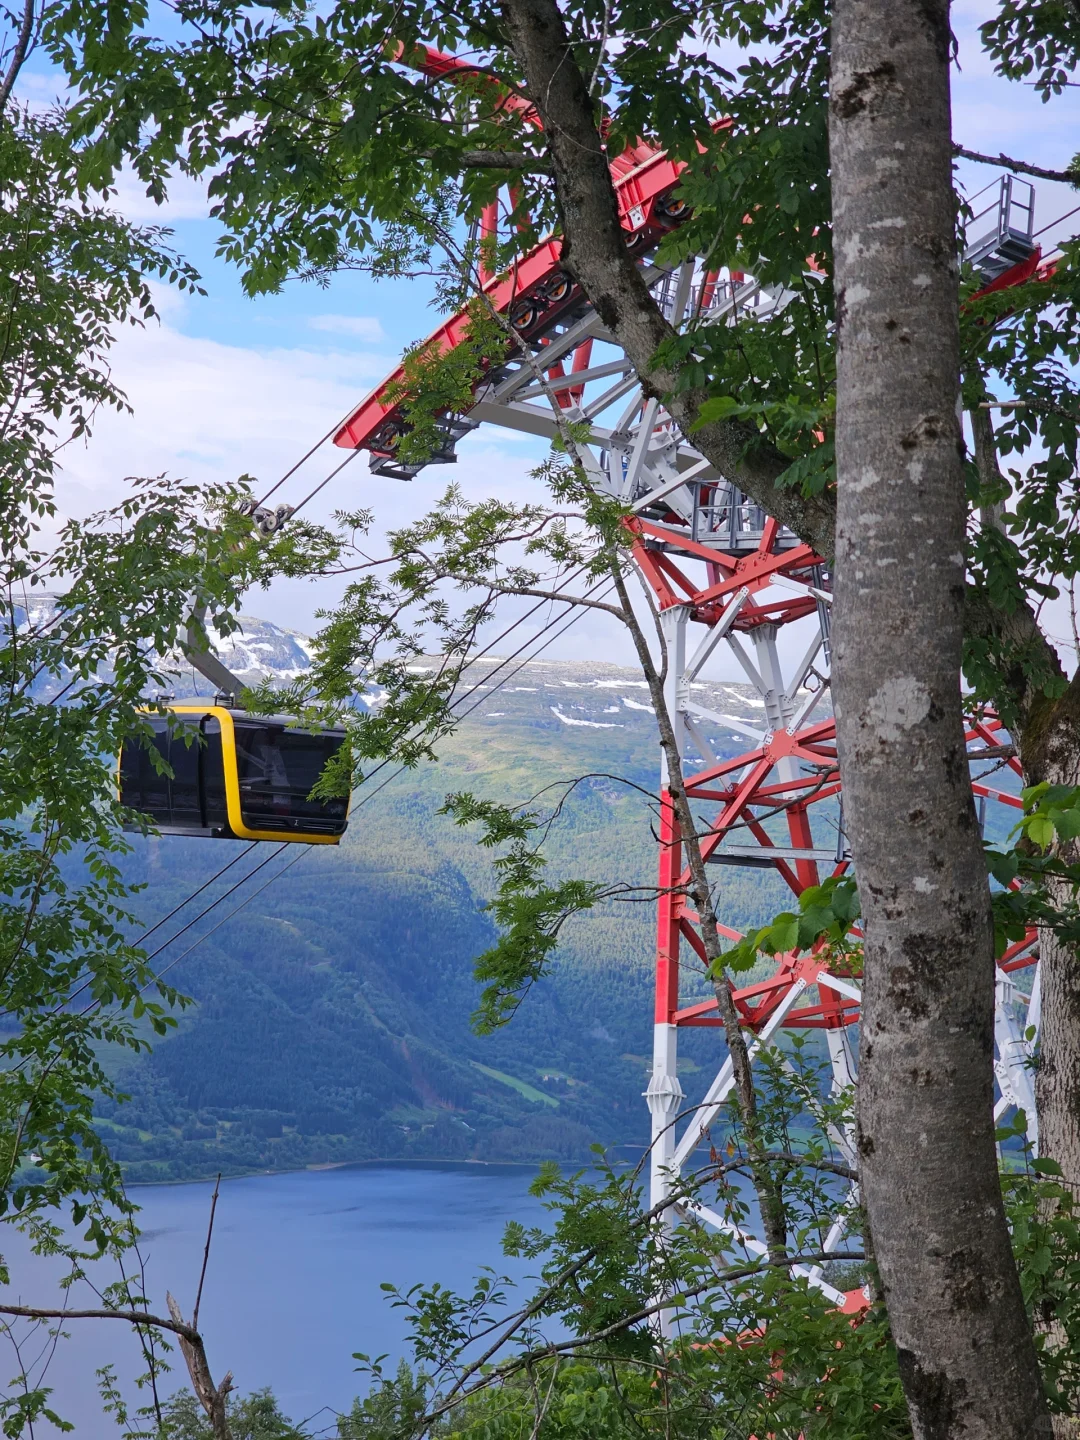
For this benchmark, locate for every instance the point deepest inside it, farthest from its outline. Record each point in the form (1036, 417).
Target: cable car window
(215, 808)
(141, 786)
(185, 757)
(177, 803)
(277, 768)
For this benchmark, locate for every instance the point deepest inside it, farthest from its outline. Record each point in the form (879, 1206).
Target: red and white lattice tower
(727, 580)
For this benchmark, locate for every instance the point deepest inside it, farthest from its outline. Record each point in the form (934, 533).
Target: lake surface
(292, 1288)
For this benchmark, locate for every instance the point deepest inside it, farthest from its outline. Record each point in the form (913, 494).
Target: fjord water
(292, 1286)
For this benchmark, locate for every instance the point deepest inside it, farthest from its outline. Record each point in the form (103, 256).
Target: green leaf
(784, 933)
(1040, 830)
(1043, 1165)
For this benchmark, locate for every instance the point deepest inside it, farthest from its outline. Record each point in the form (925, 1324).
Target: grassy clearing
(530, 1092)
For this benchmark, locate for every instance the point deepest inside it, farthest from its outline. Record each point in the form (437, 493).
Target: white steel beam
(715, 633)
(721, 1087)
(755, 1247)
(747, 664)
(702, 712)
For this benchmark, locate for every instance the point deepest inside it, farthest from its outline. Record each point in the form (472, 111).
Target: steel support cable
(324, 482)
(182, 931)
(573, 619)
(215, 903)
(509, 659)
(473, 659)
(175, 911)
(201, 916)
(561, 630)
(226, 918)
(188, 899)
(306, 456)
(1067, 216)
(217, 876)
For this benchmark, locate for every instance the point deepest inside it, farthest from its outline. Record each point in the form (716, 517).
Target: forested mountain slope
(332, 1013)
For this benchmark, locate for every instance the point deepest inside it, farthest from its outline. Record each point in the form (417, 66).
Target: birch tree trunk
(925, 1128)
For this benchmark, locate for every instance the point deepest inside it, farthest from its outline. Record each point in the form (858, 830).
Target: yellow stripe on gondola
(232, 781)
(231, 776)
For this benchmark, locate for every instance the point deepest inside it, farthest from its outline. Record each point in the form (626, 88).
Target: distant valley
(331, 1015)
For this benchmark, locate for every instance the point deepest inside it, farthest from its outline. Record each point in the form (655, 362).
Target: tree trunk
(1049, 751)
(925, 1128)
(1049, 746)
(594, 251)
(767, 1185)
(1048, 741)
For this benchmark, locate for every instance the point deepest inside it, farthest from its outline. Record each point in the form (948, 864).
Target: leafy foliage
(531, 914)
(328, 151)
(1046, 1242)
(824, 921)
(77, 676)
(255, 1417)
(1035, 37)
(581, 1354)
(73, 273)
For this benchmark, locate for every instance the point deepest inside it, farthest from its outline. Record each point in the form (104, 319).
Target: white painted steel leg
(842, 1060)
(1013, 1064)
(721, 1087)
(664, 1098)
(755, 1247)
(676, 690)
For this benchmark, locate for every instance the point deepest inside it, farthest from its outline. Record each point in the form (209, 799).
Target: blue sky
(226, 385)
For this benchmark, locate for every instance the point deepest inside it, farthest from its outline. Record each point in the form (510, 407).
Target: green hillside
(332, 1015)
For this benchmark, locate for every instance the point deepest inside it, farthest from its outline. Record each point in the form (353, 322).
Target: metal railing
(1000, 233)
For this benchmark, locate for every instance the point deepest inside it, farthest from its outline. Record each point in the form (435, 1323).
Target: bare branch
(206, 1253)
(133, 1317)
(22, 49)
(211, 1397)
(1019, 167)
(531, 592)
(789, 1157)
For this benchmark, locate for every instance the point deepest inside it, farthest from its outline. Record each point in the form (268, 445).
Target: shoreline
(428, 1163)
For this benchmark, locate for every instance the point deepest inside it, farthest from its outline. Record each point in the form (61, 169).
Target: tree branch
(505, 160)
(1019, 167)
(22, 49)
(789, 1157)
(531, 592)
(594, 251)
(133, 1317)
(563, 1347)
(212, 1398)
(1028, 659)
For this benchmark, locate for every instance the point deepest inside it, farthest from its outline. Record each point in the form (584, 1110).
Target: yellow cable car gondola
(234, 775)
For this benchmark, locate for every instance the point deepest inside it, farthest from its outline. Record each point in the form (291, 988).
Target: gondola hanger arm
(199, 654)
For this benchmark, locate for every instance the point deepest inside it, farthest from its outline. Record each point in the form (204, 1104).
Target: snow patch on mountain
(592, 724)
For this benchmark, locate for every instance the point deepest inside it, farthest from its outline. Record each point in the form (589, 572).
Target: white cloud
(211, 411)
(362, 327)
(187, 199)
